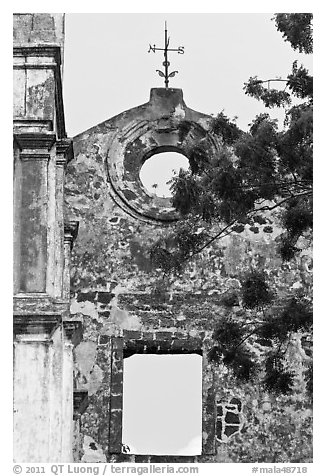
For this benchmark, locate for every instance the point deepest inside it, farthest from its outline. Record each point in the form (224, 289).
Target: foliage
(309, 379)
(226, 129)
(277, 378)
(268, 330)
(171, 251)
(297, 29)
(252, 174)
(255, 291)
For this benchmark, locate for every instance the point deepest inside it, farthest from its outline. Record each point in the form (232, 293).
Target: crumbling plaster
(115, 288)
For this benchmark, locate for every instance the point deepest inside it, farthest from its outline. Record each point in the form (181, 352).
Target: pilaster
(70, 235)
(44, 334)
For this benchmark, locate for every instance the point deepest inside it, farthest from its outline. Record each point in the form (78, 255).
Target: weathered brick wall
(121, 296)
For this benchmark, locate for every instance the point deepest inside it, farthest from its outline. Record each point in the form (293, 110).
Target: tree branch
(266, 207)
(246, 337)
(270, 80)
(227, 227)
(214, 237)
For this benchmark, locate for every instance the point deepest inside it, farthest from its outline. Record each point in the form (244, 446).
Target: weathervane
(166, 75)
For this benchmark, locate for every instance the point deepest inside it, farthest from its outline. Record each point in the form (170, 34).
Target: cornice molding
(73, 330)
(80, 402)
(65, 151)
(44, 51)
(31, 304)
(71, 231)
(24, 125)
(34, 140)
(38, 50)
(32, 324)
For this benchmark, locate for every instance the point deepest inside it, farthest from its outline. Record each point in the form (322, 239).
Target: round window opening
(157, 172)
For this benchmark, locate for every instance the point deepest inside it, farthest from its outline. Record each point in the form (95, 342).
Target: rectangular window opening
(162, 404)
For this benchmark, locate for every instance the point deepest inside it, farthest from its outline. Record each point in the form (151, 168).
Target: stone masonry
(44, 333)
(82, 304)
(129, 306)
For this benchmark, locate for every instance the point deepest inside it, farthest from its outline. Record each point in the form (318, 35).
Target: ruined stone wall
(126, 303)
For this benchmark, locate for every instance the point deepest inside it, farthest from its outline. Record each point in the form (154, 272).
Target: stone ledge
(36, 140)
(36, 324)
(38, 51)
(53, 53)
(32, 304)
(65, 151)
(160, 343)
(73, 330)
(71, 231)
(32, 126)
(80, 402)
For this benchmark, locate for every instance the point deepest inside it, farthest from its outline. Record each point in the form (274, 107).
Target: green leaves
(186, 191)
(228, 331)
(228, 350)
(297, 29)
(300, 82)
(295, 145)
(234, 338)
(198, 159)
(235, 190)
(255, 290)
(170, 252)
(277, 379)
(297, 218)
(271, 97)
(226, 129)
(295, 315)
(263, 165)
(163, 259)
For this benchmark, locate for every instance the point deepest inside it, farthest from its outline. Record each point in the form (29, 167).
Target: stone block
(117, 343)
(43, 21)
(86, 296)
(116, 402)
(104, 297)
(104, 340)
(115, 431)
(163, 336)
(132, 335)
(117, 383)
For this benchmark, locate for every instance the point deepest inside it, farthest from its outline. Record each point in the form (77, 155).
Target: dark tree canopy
(254, 173)
(297, 29)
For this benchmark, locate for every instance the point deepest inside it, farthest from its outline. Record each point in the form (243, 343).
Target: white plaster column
(72, 335)
(32, 395)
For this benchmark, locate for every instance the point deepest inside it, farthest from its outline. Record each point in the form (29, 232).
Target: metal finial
(166, 75)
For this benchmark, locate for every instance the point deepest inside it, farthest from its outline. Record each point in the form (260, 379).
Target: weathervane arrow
(166, 63)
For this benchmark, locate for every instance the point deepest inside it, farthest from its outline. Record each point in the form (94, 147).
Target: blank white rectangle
(162, 404)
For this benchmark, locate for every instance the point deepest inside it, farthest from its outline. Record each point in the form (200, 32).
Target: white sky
(108, 68)
(162, 407)
(156, 178)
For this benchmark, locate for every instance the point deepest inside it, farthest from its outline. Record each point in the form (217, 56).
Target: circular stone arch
(135, 143)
